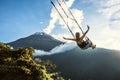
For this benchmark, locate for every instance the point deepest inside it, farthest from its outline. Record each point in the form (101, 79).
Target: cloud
(60, 36)
(56, 19)
(58, 49)
(109, 30)
(51, 25)
(108, 38)
(111, 10)
(109, 3)
(41, 22)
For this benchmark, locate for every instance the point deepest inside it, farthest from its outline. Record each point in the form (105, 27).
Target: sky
(21, 18)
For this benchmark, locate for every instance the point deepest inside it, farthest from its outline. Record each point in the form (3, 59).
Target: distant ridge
(38, 40)
(97, 64)
(76, 64)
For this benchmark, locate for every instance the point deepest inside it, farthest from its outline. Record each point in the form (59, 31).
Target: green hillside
(19, 65)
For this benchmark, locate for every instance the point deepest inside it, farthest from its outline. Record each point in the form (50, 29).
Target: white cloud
(104, 3)
(63, 48)
(111, 10)
(108, 39)
(108, 8)
(41, 22)
(60, 36)
(51, 25)
(108, 33)
(58, 49)
(109, 3)
(56, 19)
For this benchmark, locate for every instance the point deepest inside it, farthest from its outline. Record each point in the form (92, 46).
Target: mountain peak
(42, 35)
(38, 40)
(39, 33)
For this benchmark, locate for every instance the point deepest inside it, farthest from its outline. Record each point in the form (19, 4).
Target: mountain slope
(98, 64)
(39, 40)
(77, 64)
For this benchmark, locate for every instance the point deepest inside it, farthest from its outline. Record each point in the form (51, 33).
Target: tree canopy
(18, 64)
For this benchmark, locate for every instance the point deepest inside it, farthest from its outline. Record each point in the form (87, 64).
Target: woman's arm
(69, 39)
(85, 32)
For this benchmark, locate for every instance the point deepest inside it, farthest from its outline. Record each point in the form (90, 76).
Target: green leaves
(19, 65)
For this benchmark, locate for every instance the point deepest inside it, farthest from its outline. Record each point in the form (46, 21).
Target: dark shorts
(82, 45)
(86, 44)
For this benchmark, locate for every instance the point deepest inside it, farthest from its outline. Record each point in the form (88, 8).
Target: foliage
(19, 65)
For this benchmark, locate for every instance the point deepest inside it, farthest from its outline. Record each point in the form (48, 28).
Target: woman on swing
(80, 42)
